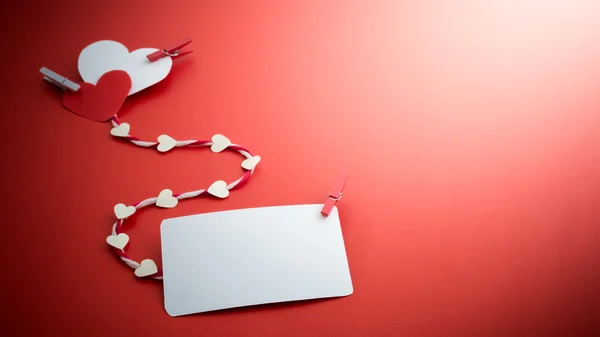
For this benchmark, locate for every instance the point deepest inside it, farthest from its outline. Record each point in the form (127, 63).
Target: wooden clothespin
(174, 51)
(59, 81)
(336, 194)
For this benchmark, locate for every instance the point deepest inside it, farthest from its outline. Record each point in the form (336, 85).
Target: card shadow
(263, 308)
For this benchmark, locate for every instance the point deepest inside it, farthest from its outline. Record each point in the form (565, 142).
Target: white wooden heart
(165, 143)
(122, 130)
(219, 189)
(250, 163)
(166, 199)
(220, 143)
(118, 241)
(147, 267)
(122, 211)
(103, 56)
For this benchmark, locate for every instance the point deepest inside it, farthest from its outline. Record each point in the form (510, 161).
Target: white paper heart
(148, 267)
(165, 143)
(219, 189)
(250, 163)
(166, 199)
(220, 143)
(118, 241)
(122, 211)
(122, 130)
(103, 56)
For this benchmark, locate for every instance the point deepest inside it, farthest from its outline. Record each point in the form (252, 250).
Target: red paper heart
(101, 101)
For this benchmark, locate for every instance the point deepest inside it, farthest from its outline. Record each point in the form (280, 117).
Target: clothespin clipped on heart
(173, 51)
(58, 80)
(110, 74)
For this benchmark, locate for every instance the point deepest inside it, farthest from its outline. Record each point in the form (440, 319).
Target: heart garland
(166, 198)
(111, 73)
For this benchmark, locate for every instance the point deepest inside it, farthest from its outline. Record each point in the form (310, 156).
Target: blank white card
(252, 256)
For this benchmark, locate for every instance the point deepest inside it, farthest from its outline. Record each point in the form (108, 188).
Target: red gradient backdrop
(471, 130)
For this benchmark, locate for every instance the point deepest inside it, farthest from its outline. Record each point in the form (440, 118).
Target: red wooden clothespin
(174, 51)
(336, 193)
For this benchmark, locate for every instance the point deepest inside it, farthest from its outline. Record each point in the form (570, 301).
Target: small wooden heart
(121, 130)
(166, 199)
(165, 143)
(118, 241)
(147, 267)
(122, 211)
(220, 143)
(101, 101)
(219, 189)
(250, 163)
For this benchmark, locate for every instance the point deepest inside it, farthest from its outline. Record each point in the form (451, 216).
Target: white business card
(252, 256)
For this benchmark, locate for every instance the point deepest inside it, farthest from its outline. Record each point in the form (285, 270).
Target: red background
(471, 130)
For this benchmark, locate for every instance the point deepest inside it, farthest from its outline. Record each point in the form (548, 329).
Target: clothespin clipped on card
(336, 193)
(174, 51)
(59, 81)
